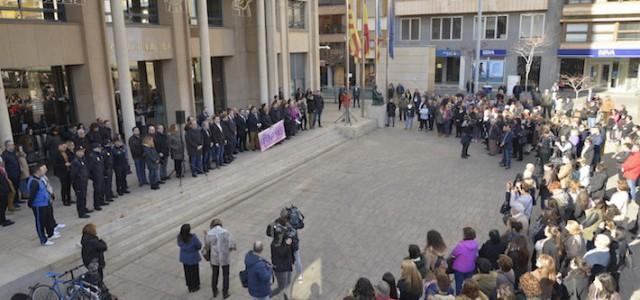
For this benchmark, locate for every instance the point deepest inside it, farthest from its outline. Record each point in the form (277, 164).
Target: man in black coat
(311, 109)
(137, 153)
(96, 173)
(319, 104)
(229, 135)
(79, 177)
(207, 146)
(81, 140)
(107, 155)
(241, 130)
(12, 167)
(391, 114)
(219, 142)
(61, 163)
(193, 139)
(163, 149)
(5, 190)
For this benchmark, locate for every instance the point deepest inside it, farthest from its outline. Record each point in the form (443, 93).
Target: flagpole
(364, 53)
(347, 48)
(375, 59)
(388, 42)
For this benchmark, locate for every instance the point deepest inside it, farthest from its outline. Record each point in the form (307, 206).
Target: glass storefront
(492, 70)
(49, 10)
(447, 70)
(219, 92)
(148, 97)
(38, 99)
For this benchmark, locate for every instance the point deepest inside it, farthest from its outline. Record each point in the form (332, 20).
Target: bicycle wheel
(77, 292)
(44, 292)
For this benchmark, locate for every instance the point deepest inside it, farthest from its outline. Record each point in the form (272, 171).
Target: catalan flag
(354, 38)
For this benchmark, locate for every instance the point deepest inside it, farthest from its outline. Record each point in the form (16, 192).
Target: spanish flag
(365, 27)
(354, 37)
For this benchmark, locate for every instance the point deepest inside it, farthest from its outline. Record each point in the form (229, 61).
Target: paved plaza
(364, 202)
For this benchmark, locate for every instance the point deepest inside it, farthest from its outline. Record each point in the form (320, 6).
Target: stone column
(5, 124)
(122, 60)
(272, 53)
(310, 27)
(262, 52)
(284, 49)
(205, 56)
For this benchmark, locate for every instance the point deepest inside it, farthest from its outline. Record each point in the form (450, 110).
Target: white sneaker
(55, 235)
(59, 227)
(300, 278)
(48, 243)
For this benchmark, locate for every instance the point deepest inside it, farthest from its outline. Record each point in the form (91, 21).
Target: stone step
(140, 222)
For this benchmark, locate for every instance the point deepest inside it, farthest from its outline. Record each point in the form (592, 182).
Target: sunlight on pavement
(311, 286)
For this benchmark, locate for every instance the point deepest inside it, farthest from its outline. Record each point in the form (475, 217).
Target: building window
(49, 10)
(446, 28)
(576, 33)
(214, 12)
(602, 32)
(629, 31)
(531, 25)
(332, 24)
(493, 28)
(298, 63)
(410, 30)
(135, 11)
(634, 67)
(296, 14)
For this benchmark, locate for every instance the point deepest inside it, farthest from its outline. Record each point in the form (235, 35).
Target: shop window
(296, 14)
(572, 66)
(492, 70)
(602, 32)
(214, 12)
(531, 25)
(38, 99)
(446, 28)
(493, 28)
(534, 74)
(49, 10)
(410, 29)
(135, 11)
(629, 31)
(634, 64)
(576, 33)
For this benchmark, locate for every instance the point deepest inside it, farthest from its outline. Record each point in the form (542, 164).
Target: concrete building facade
(59, 60)
(450, 26)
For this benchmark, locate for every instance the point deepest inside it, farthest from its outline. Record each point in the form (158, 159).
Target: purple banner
(271, 136)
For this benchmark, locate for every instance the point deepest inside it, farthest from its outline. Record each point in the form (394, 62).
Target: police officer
(120, 166)
(108, 171)
(96, 173)
(79, 181)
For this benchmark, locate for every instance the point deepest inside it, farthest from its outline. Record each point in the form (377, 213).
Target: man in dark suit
(356, 96)
(241, 132)
(12, 167)
(228, 130)
(207, 146)
(507, 147)
(319, 107)
(193, 139)
(163, 149)
(137, 153)
(79, 176)
(219, 141)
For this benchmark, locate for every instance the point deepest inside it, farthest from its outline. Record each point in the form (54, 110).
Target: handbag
(505, 208)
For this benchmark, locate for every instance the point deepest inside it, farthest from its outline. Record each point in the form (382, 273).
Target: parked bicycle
(66, 289)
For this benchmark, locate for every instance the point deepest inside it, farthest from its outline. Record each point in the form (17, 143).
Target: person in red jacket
(631, 169)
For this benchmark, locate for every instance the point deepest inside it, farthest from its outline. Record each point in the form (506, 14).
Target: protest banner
(271, 136)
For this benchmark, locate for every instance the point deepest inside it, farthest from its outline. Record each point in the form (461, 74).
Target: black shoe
(7, 223)
(155, 187)
(97, 208)
(463, 157)
(161, 182)
(120, 193)
(126, 191)
(88, 211)
(66, 204)
(104, 203)
(83, 216)
(215, 293)
(194, 175)
(225, 296)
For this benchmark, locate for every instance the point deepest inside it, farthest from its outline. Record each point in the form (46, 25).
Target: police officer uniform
(121, 168)
(96, 173)
(80, 181)
(108, 171)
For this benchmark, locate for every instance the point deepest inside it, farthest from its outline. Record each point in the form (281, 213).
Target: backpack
(244, 278)
(296, 218)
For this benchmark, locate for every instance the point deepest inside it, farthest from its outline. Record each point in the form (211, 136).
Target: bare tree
(578, 82)
(527, 49)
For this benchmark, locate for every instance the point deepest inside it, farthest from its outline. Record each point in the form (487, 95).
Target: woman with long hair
(93, 248)
(410, 282)
(574, 244)
(176, 146)
(418, 259)
(152, 160)
(552, 244)
(545, 274)
(190, 245)
(393, 288)
(604, 288)
(471, 291)
(363, 290)
(434, 252)
(518, 251)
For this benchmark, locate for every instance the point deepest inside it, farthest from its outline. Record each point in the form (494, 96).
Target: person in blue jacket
(259, 273)
(507, 147)
(39, 201)
(190, 257)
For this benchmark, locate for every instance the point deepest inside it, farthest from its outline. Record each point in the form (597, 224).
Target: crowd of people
(565, 235)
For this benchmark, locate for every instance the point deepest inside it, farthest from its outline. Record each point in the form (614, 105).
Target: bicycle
(65, 289)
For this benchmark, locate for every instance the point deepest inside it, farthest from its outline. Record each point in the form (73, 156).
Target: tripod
(346, 116)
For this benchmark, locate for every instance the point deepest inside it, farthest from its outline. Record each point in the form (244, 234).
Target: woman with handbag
(190, 257)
